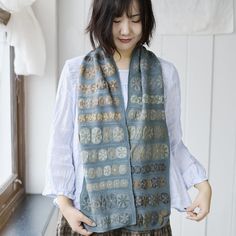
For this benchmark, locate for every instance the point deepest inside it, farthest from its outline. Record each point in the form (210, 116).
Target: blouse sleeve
(189, 167)
(60, 176)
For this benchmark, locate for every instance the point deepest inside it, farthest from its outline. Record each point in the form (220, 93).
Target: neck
(122, 60)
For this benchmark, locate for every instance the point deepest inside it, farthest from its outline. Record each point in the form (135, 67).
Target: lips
(125, 40)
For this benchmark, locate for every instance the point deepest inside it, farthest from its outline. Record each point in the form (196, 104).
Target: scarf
(125, 152)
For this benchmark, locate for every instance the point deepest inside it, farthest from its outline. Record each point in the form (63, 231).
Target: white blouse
(64, 174)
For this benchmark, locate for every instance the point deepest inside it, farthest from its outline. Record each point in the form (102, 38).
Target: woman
(117, 163)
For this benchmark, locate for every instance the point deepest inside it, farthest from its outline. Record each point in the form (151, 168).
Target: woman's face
(127, 30)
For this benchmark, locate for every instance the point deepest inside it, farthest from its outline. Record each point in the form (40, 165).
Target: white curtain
(25, 34)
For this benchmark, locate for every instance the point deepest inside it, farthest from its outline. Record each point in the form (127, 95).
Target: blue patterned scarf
(125, 152)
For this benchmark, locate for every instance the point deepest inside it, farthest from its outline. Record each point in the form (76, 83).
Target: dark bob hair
(103, 14)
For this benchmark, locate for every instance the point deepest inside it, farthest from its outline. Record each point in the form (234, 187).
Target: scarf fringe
(64, 229)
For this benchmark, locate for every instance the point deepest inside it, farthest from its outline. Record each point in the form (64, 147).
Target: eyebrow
(138, 14)
(135, 15)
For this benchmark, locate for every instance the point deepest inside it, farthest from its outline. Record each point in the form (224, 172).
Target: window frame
(4, 16)
(13, 190)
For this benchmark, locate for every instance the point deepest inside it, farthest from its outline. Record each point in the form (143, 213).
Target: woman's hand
(202, 201)
(74, 217)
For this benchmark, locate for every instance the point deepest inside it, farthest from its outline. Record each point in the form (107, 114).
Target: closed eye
(116, 21)
(136, 21)
(136, 18)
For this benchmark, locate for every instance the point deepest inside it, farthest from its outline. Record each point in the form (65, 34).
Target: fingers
(86, 220)
(192, 206)
(76, 218)
(190, 213)
(196, 216)
(81, 230)
(197, 211)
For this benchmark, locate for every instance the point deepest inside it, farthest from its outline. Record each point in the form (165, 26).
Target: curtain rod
(4, 16)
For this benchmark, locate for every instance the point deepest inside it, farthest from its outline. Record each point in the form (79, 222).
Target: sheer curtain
(5, 112)
(25, 35)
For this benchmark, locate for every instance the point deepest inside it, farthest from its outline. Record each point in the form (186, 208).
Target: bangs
(121, 7)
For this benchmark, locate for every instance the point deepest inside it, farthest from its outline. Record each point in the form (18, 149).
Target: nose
(124, 27)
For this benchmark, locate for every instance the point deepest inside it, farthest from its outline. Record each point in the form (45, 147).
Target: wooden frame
(4, 16)
(13, 191)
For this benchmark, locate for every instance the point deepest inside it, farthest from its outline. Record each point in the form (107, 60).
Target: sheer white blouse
(64, 174)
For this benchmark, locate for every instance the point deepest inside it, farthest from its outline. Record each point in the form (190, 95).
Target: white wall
(39, 100)
(206, 65)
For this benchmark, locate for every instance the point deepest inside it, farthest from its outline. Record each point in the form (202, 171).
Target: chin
(125, 48)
